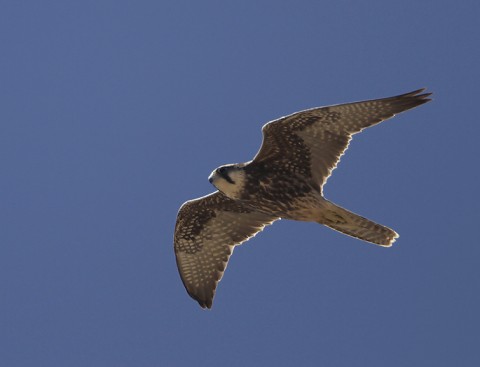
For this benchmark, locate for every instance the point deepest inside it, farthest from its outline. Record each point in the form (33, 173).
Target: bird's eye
(221, 170)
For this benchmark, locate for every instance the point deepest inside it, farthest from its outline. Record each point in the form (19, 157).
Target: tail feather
(354, 225)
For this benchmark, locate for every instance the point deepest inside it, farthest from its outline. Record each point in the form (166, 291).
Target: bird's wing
(206, 232)
(311, 142)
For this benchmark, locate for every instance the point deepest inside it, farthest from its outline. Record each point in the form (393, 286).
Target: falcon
(283, 181)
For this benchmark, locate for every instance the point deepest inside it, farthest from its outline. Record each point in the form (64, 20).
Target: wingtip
(418, 94)
(205, 305)
(204, 302)
(410, 100)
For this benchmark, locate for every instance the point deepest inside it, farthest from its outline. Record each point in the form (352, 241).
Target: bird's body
(284, 180)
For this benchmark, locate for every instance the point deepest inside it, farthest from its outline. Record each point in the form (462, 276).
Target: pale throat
(233, 191)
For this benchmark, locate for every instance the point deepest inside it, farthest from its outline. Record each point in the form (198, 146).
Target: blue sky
(113, 113)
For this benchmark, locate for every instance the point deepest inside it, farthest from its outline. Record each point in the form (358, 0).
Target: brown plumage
(284, 180)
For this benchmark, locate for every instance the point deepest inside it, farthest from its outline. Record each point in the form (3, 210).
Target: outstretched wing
(311, 142)
(206, 232)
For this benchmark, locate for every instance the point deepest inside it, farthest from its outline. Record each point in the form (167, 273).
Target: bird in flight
(283, 181)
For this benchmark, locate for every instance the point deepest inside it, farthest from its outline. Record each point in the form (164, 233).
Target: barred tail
(354, 225)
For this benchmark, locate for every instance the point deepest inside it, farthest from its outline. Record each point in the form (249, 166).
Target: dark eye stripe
(222, 172)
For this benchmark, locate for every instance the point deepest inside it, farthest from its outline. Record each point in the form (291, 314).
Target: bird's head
(229, 179)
